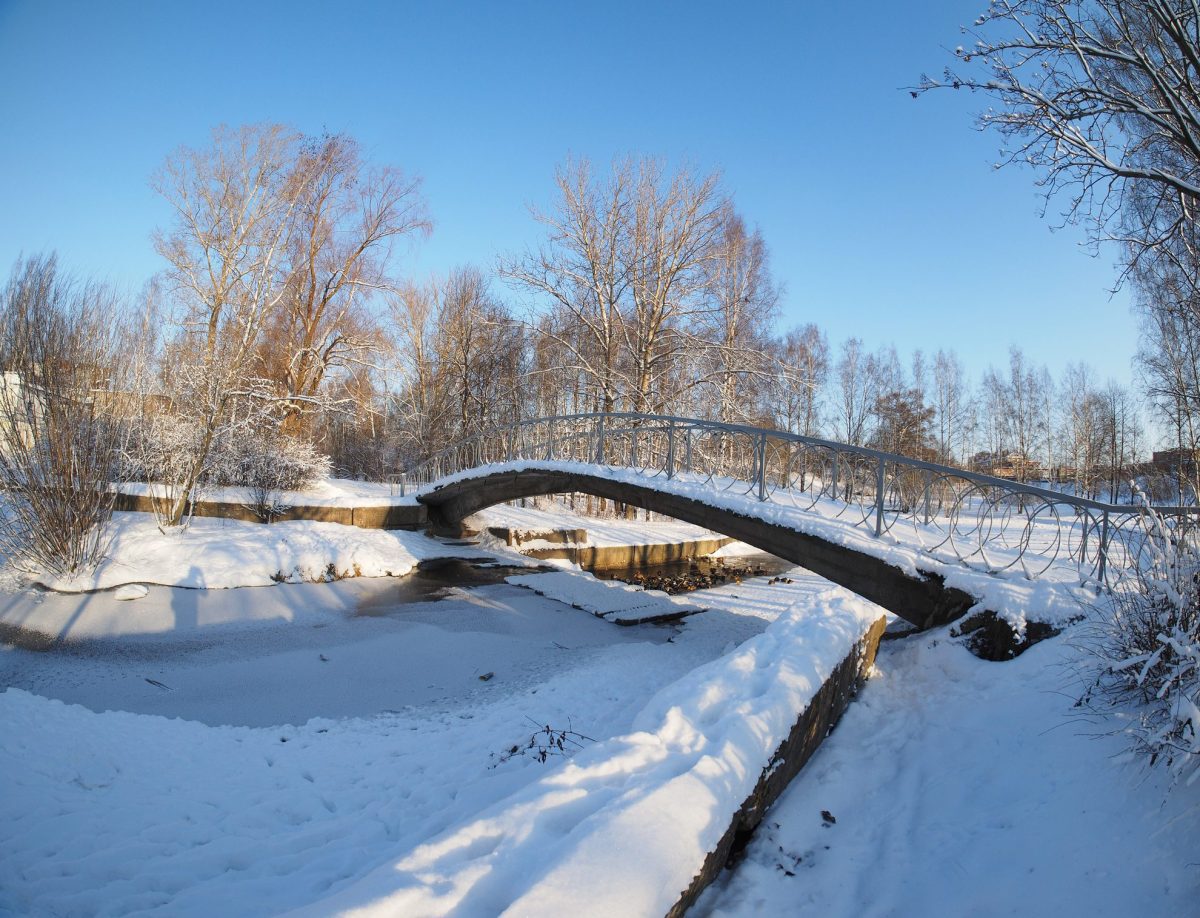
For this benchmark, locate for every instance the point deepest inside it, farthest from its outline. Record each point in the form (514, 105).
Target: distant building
(1172, 459)
(1012, 466)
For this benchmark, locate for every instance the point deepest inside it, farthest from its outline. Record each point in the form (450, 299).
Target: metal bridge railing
(986, 523)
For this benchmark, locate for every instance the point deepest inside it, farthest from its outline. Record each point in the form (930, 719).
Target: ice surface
(611, 600)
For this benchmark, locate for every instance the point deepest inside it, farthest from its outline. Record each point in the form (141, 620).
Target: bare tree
(624, 267)
(421, 401)
(278, 243)
(1023, 419)
(234, 205)
(479, 354)
(802, 368)
(59, 353)
(952, 409)
(675, 234)
(903, 423)
(462, 359)
(1080, 432)
(1122, 434)
(1103, 97)
(348, 216)
(582, 270)
(855, 394)
(735, 327)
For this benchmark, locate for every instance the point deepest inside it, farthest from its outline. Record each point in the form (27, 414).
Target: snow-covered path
(962, 787)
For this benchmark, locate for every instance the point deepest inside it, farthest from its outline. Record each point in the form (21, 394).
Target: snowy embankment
(625, 825)
(110, 813)
(219, 554)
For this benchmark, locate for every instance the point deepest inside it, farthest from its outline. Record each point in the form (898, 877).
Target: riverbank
(225, 554)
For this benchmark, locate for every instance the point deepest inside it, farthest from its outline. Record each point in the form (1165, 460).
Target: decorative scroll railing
(986, 523)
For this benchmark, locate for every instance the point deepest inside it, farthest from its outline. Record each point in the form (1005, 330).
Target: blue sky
(884, 216)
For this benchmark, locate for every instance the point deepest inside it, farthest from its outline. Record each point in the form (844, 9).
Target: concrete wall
(570, 544)
(388, 517)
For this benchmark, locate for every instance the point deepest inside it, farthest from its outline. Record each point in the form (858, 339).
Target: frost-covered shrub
(258, 457)
(270, 464)
(268, 458)
(159, 448)
(1151, 645)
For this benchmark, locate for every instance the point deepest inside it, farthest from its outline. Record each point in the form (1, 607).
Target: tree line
(280, 335)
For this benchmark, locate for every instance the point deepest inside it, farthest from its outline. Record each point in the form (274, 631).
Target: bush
(269, 465)
(57, 447)
(1151, 645)
(257, 457)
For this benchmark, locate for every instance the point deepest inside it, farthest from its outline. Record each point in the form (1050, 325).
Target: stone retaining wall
(568, 544)
(411, 516)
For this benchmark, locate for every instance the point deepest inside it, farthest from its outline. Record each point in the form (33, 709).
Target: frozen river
(382, 645)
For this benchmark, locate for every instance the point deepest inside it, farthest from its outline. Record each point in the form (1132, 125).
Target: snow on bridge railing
(987, 523)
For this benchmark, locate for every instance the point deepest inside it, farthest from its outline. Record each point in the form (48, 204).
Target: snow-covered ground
(112, 812)
(319, 746)
(962, 787)
(217, 553)
(957, 786)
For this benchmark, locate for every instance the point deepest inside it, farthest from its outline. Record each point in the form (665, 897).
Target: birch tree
(234, 204)
(855, 394)
(675, 233)
(348, 217)
(735, 326)
(802, 369)
(951, 403)
(624, 266)
(581, 270)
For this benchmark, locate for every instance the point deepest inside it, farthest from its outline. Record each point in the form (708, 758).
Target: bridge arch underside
(925, 600)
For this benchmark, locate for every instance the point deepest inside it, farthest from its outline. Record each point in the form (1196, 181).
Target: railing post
(762, 466)
(550, 442)
(600, 442)
(670, 450)
(833, 490)
(1087, 524)
(879, 498)
(1103, 546)
(633, 456)
(687, 450)
(928, 487)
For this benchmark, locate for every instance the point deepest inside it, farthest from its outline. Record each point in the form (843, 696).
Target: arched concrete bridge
(923, 601)
(768, 487)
